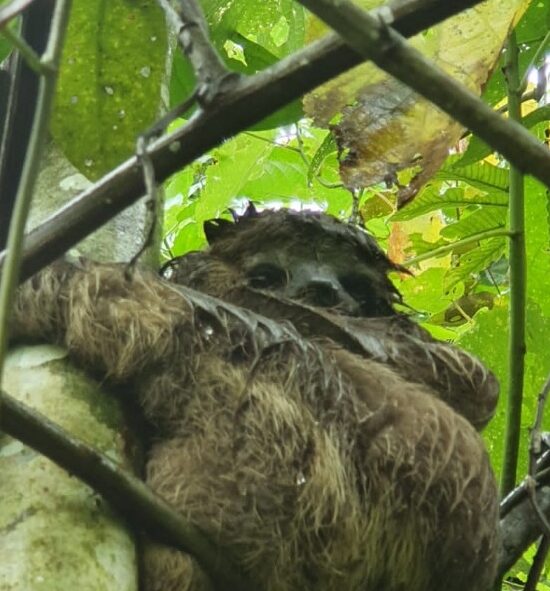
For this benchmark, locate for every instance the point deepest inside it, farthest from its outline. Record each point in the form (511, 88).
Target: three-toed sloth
(322, 438)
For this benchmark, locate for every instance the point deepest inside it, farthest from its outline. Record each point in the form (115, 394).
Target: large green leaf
(109, 86)
(537, 244)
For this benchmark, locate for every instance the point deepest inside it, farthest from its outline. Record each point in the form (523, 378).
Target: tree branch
(212, 75)
(520, 527)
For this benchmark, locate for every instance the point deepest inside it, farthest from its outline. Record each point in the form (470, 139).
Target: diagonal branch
(373, 39)
(251, 101)
(192, 30)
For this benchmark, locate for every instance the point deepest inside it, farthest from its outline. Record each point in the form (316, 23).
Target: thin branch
(531, 488)
(14, 8)
(11, 268)
(535, 443)
(520, 527)
(212, 75)
(28, 53)
(441, 250)
(373, 39)
(251, 101)
(517, 260)
(538, 565)
(129, 495)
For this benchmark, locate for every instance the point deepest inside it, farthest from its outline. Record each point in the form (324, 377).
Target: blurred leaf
(488, 339)
(109, 85)
(263, 23)
(418, 245)
(423, 291)
(5, 45)
(537, 244)
(537, 116)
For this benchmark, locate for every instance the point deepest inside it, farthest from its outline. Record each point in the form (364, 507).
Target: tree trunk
(57, 533)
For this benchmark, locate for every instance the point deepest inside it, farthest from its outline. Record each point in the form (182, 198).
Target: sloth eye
(266, 276)
(361, 289)
(357, 286)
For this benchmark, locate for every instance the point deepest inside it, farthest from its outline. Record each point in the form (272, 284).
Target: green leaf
(275, 25)
(488, 340)
(267, 31)
(481, 220)
(5, 45)
(537, 243)
(477, 150)
(328, 146)
(418, 246)
(109, 85)
(431, 199)
(539, 115)
(424, 292)
(482, 175)
(476, 260)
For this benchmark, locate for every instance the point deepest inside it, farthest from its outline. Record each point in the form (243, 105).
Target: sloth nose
(321, 293)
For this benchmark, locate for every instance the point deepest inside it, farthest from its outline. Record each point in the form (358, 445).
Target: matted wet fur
(316, 467)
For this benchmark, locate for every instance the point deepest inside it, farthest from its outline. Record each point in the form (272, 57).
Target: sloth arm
(453, 375)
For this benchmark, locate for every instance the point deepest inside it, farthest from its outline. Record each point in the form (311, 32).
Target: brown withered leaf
(385, 127)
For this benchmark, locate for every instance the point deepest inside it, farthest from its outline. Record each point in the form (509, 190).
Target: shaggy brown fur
(317, 467)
